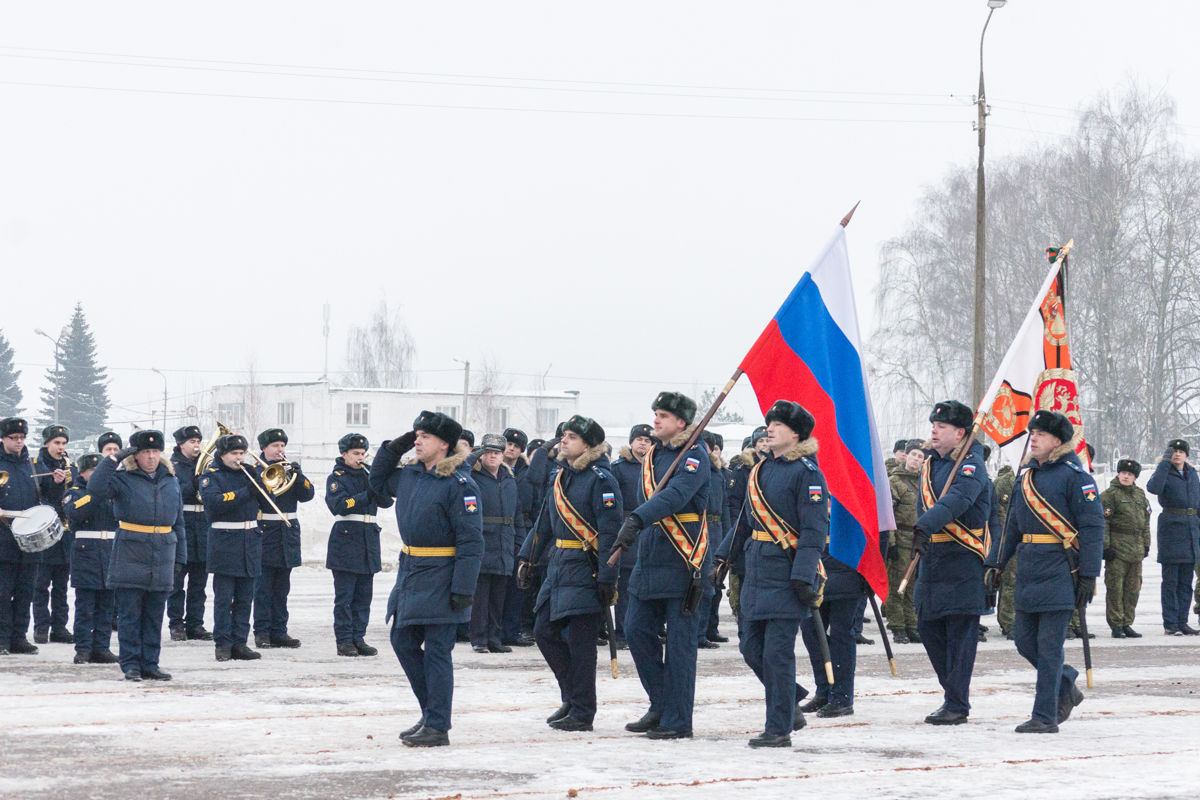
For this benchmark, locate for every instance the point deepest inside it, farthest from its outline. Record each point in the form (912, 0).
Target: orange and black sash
(691, 552)
(1048, 515)
(574, 520)
(978, 541)
(783, 533)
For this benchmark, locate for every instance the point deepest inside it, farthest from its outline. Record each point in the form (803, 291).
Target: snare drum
(37, 529)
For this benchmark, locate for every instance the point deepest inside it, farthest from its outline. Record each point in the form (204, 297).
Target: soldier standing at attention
(1178, 489)
(17, 568)
(756, 448)
(900, 612)
(627, 469)
(1126, 545)
(1058, 527)
(50, 607)
(500, 500)
(1005, 479)
(514, 597)
(185, 608)
(94, 527)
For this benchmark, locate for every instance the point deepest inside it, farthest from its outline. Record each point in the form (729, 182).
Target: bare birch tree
(380, 354)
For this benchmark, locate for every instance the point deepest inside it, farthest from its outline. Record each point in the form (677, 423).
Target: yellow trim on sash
(778, 528)
(687, 517)
(1061, 530)
(428, 552)
(691, 552)
(977, 540)
(572, 518)
(129, 526)
(761, 536)
(568, 544)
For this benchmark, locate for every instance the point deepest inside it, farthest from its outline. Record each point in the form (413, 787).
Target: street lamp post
(57, 346)
(164, 377)
(980, 223)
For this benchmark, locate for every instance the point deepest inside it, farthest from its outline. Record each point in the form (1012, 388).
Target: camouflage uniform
(900, 612)
(1004, 482)
(1126, 542)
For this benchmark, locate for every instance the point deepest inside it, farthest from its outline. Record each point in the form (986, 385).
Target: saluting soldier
(94, 528)
(50, 607)
(627, 469)
(580, 526)
(1178, 489)
(185, 607)
(781, 533)
(280, 545)
(234, 546)
(514, 597)
(500, 501)
(353, 552)
(952, 538)
(1126, 545)
(150, 546)
(666, 579)
(440, 522)
(17, 568)
(1057, 529)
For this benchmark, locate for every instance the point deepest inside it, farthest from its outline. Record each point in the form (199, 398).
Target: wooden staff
(887, 646)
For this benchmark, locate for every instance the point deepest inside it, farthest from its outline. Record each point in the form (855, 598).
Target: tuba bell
(204, 459)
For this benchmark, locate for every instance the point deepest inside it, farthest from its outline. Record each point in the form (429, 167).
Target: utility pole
(466, 389)
(325, 374)
(164, 377)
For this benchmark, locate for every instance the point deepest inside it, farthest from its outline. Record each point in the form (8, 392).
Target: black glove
(991, 579)
(1084, 589)
(125, 453)
(608, 593)
(460, 601)
(1168, 453)
(1109, 554)
(805, 593)
(402, 444)
(716, 575)
(920, 542)
(550, 445)
(628, 534)
(893, 552)
(178, 568)
(524, 574)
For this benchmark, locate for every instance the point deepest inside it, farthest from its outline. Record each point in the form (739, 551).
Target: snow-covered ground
(308, 724)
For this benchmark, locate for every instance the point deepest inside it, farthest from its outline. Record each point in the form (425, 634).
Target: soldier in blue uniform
(781, 533)
(1178, 489)
(185, 607)
(667, 575)
(951, 536)
(440, 521)
(717, 516)
(17, 568)
(280, 545)
(234, 546)
(515, 601)
(149, 548)
(500, 503)
(353, 550)
(627, 469)
(50, 607)
(1056, 530)
(94, 528)
(725, 475)
(754, 449)
(580, 524)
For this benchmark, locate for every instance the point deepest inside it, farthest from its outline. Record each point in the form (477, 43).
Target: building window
(449, 411)
(547, 420)
(287, 413)
(497, 419)
(358, 414)
(230, 414)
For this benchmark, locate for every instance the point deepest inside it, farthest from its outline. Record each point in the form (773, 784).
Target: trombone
(262, 491)
(277, 477)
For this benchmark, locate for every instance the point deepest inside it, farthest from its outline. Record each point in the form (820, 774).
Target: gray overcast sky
(620, 226)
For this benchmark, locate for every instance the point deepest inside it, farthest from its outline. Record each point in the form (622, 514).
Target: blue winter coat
(281, 543)
(196, 522)
(59, 553)
(500, 504)
(660, 571)
(20, 494)
(520, 472)
(628, 472)
(353, 545)
(795, 488)
(434, 508)
(1178, 534)
(570, 586)
(142, 560)
(950, 577)
(229, 497)
(1044, 581)
(89, 557)
(736, 499)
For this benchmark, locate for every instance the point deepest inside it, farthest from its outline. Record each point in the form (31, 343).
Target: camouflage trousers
(1005, 613)
(900, 612)
(1122, 585)
(735, 593)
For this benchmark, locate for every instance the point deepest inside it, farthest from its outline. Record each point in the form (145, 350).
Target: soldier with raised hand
(899, 609)
(1126, 545)
(1057, 528)
(50, 607)
(1178, 489)
(185, 605)
(627, 469)
(17, 568)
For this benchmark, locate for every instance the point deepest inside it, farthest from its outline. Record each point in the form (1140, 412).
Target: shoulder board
(211, 469)
(805, 460)
(335, 472)
(1074, 466)
(599, 472)
(461, 478)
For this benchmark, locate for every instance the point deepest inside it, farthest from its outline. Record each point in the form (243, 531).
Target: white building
(316, 414)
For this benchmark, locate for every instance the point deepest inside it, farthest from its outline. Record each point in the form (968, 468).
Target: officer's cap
(640, 430)
(494, 442)
(149, 440)
(51, 432)
(1130, 466)
(87, 461)
(187, 432)
(13, 425)
(953, 413)
(586, 428)
(1053, 423)
(441, 426)
(794, 415)
(229, 443)
(352, 441)
(675, 403)
(516, 436)
(270, 436)
(109, 437)
(1180, 444)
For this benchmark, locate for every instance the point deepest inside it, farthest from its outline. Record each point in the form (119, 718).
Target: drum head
(35, 519)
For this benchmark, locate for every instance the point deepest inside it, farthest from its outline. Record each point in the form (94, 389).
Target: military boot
(649, 720)
(262, 641)
(347, 649)
(82, 657)
(899, 637)
(285, 641)
(407, 732)
(1118, 633)
(241, 652)
(178, 633)
(1130, 633)
(22, 647)
(41, 635)
(365, 649)
(562, 712)
(199, 633)
(61, 635)
(569, 723)
(1067, 702)
(1037, 726)
(913, 636)
(104, 657)
(224, 653)
(765, 739)
(816, 704)
(427, 737)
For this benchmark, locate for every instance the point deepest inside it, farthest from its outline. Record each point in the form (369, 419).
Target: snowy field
(308, 724)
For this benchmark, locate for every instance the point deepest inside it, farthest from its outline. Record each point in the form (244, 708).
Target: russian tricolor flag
(811, 353)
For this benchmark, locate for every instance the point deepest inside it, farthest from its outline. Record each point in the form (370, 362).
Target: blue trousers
(93, 619)
(837, 617)
(622, 601)
(50, 607)
(858, 619)
(352, 593)
(232, 598)
(1040, 640)
(139, 628)
(514, 609)
(430, 668)
(270, 602)
(186, 608)
(487, 608)
(950, 643)
(668, 674)
(16, 593)
(572, 658)
(769, 647)
(1176, 594)
(714, 616)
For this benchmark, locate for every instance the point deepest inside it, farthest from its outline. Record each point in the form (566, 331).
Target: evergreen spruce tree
(10, 393)
(83, 397)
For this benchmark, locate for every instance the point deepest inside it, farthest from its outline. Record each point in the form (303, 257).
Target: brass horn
(277, 477)
(209, 448)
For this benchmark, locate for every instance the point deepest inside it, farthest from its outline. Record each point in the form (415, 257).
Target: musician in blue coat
(17, 568)
(950, 536)
(353, 552)
(666, 584)
(781, 533)
(185, 606)
(1056, 530)
(1178, 489)
(231, 502)
(579, 525)
(94, 528)
(50, 607)
(627, 469)
(280, 544)
(149, 548)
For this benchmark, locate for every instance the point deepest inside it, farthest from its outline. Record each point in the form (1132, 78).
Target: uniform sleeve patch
(307, 485)
(968, 470)
(471, 503)
(350, 503)
(815, 494)
(1089, 491)
(204, 483)
(333, 486)
(1108, 512)
(609, 499)
(83, 501)
(691, 464)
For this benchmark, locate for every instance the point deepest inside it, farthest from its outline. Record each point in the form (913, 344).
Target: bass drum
(37, 529)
